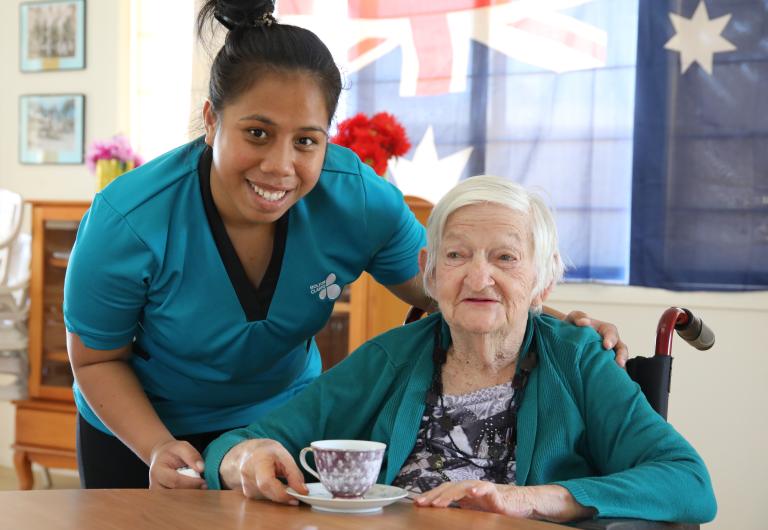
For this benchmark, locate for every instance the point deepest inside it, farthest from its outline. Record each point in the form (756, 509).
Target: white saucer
(373, 501)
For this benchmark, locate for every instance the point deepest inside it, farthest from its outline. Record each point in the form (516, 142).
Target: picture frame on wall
(51, 128)
(52, 35)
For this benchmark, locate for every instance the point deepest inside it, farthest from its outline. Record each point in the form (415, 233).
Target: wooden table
(191, 509)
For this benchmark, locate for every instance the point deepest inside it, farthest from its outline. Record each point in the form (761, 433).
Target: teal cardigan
(582, 424)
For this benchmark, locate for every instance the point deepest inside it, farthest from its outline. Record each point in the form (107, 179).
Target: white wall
(105, 85)
(718, 397)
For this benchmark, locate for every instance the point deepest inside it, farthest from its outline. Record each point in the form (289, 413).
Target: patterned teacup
(346, 468)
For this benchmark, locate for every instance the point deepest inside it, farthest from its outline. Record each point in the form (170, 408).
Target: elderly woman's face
(484, 273)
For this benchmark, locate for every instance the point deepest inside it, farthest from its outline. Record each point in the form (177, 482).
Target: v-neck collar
(255, 301)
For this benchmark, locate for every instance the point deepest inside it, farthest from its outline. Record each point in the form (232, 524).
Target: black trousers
(105, 462)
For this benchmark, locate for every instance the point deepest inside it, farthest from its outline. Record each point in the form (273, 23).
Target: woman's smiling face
(268, 147)
(484, 270)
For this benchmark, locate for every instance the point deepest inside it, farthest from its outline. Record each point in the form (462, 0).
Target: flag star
(698, 38)
(427, 176)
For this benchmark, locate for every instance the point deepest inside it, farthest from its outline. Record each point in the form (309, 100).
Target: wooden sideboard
(45, 422)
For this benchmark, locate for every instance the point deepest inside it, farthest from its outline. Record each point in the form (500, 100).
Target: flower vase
(108, 170)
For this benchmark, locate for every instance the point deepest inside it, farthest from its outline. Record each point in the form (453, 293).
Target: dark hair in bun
(256, 44)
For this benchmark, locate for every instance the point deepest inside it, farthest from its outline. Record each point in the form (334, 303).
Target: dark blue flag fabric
(700, 182)
(548, 93)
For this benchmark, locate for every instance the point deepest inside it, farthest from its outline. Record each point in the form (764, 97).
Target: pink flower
(116, 148)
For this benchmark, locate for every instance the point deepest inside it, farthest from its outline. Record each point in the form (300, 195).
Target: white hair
(488, 189)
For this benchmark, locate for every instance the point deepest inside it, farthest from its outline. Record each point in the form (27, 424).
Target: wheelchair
(653, 375)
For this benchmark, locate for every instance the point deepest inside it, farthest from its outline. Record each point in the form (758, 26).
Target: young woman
(198, 281)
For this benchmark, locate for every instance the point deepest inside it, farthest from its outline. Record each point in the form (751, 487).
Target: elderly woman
(488, 403)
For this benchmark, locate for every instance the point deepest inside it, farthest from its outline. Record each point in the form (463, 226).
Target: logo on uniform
(327, 288)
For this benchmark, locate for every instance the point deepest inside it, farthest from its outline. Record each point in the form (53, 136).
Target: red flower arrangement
(375, 140)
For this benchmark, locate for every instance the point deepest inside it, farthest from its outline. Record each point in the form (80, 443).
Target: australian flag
(700, 178)
(616, 110)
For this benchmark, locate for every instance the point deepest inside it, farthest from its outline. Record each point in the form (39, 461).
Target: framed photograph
(52, 35)
(51, 129)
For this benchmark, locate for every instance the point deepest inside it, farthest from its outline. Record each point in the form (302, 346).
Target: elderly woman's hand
(553, 503)
(478, 495)
(608, 331)
(254, 466)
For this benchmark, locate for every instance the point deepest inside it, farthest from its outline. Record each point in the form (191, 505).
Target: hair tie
(226, 21)
(264, 20)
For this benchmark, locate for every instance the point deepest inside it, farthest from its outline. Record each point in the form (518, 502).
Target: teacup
(346, 468)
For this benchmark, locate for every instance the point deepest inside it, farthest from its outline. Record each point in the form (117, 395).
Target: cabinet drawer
(45, 428)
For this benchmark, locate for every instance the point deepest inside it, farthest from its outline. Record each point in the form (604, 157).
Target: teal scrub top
(152, 264)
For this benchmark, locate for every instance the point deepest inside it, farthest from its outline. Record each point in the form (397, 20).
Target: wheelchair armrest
(630, 524)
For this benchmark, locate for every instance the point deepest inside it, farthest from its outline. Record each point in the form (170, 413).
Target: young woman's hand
(254, 466)
(608, 331)
(169, 456)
